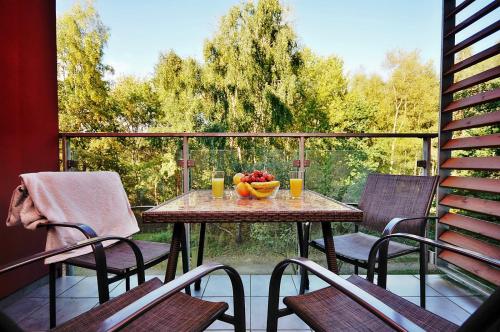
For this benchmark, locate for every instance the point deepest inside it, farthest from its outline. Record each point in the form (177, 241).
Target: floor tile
(258, 317)
(259, 285)
(62, 284)
(315, 283)
(86, 288)
(449, 287)
(407, 285)
(468, 303)
(119, 287)
(23, 307)
(220, 285)
(443, 307)
(218, 325)
(67, 308)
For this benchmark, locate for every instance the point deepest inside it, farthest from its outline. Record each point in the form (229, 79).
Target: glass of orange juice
(296, 183)
(218, 184)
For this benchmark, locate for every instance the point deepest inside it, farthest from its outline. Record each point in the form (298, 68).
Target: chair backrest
(390, 196)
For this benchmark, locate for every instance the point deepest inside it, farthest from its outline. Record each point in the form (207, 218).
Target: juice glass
(218, 184)
(296, 183)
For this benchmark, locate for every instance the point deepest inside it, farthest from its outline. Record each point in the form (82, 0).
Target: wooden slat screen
(469, 137)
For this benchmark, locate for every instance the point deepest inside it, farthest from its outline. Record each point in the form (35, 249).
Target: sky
(359, 32)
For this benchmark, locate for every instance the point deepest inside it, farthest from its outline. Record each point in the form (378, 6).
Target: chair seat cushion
(120, 257)
(180, 312)
(328, 309)
(356, 246)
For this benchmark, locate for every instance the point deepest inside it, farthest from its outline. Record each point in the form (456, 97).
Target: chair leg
(273, 299)
(423, 273)
(127, 282)
(201, 248)
(52, 294)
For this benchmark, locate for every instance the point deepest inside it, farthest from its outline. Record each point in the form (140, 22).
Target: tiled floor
(79, 294)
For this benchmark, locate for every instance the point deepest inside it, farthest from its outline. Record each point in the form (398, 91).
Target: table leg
(201, 247)
(175, 246)
(300, 239)
(304, 278)
(331, 257)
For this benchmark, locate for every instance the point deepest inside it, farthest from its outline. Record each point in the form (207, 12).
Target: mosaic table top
(198, 206)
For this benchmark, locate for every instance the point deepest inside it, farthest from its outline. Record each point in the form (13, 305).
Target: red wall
(28, 119)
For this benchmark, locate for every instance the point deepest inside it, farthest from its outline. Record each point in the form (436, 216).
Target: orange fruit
(242, 189)
(237, 178)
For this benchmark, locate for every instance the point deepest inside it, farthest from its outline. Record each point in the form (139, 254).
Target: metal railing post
(66, 152)
(426, 155)
(185, 189)
(302, 143)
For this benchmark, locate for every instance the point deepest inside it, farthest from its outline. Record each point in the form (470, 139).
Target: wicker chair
(120, 262)
(356, 304)
(390, 203)
(151, 306)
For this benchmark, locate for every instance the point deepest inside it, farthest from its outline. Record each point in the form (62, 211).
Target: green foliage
(256, 77)
(83, 92)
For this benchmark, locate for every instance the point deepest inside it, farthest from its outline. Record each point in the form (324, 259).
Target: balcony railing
(324, 167)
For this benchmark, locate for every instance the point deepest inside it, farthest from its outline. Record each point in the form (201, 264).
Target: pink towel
(96, 199)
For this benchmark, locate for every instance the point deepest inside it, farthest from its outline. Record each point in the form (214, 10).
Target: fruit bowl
(257, 190)
(257, 185)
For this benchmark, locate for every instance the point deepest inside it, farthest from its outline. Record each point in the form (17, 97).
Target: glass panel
(150, 174)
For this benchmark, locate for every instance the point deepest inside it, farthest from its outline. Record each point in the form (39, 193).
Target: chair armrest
(143, 304)
(389, 228)
(95, 240)
(85, 229)
(140, 207)
(422, 240)
(366, 300)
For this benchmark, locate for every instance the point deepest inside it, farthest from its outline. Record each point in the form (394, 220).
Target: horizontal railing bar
(285, 135)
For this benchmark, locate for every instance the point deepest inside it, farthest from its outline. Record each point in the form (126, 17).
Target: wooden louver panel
(467, 242)
(473, 204)
(470, 183)
(480, 269)
(477, 194)
(474, 163)
(474, 59)
(473, 18)
(474, 80)
(470, 224)
(491, 29)
(477, 99)
(459, 8)
(465, 143)
(476, 121)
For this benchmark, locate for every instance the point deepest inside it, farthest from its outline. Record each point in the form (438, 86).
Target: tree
(82, 90)
(136, 105)
(251, 68)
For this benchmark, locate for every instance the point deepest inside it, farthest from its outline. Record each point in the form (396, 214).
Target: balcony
(77, 294)
(157, 166)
